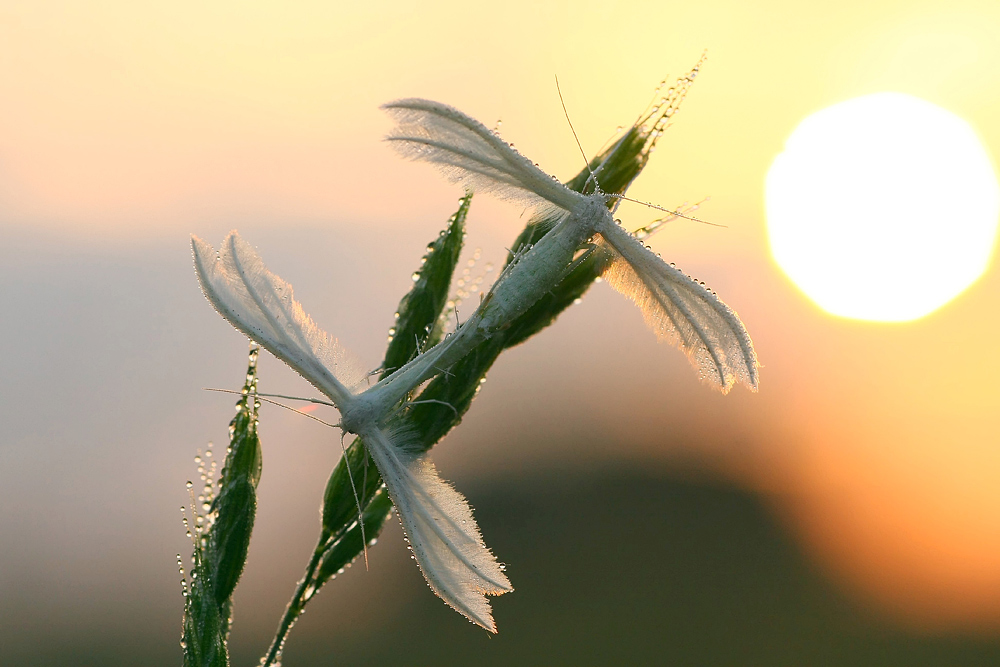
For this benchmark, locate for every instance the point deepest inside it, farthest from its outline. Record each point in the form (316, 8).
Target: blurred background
(846, 514)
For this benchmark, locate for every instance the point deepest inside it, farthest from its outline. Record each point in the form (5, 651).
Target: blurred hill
(623, 568)
(636, 570)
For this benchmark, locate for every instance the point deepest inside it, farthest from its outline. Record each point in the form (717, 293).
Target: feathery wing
(262, 305)
(470, 154)
(438, 522)
(681, 310)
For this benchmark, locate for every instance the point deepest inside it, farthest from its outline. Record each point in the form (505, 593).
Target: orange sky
(879, 441)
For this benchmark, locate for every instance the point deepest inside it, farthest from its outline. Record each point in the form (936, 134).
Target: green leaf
(204, 631)
(230, 538)
(451, 394)
(420, 310)
(340, 507)
(348, 545)
(222, 537)
(235, 507)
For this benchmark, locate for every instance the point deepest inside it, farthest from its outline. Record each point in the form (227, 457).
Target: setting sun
(883, 207)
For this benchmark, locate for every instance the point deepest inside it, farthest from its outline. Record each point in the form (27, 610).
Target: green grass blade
(420, 310)
(346, 547)
(222, 536)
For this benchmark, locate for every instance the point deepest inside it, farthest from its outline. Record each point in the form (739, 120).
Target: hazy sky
(125, 127)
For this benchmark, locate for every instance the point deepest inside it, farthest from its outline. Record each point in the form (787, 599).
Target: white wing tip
(413, 103)
(443, 534)
(201, 248)
(744, 374)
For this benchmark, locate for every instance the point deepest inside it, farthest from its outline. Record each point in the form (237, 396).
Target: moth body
(538, 270)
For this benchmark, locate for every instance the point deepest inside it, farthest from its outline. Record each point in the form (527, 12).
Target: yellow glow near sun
(883, 207)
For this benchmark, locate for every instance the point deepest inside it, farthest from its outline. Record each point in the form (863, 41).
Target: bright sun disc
(883, 207)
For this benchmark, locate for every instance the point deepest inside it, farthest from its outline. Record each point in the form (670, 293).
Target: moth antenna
(304, 414)
(577, 261)
(370, 374)
(357, 500)
(434, 400)
(654, 226)
(444, 371)
(583, 153)
(671, 213)
(290, 398)
(264, 398)
(364, 485)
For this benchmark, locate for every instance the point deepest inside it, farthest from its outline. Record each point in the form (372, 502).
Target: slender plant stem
(295, 605)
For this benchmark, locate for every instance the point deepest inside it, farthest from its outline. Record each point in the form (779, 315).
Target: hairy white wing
(262, 305)
(681, 310)
(438, 522)
(471, 154)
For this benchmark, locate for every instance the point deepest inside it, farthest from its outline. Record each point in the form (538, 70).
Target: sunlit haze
(127, 126)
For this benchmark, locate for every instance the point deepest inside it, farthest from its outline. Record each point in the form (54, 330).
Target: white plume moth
(676, 307)
(438, 521)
